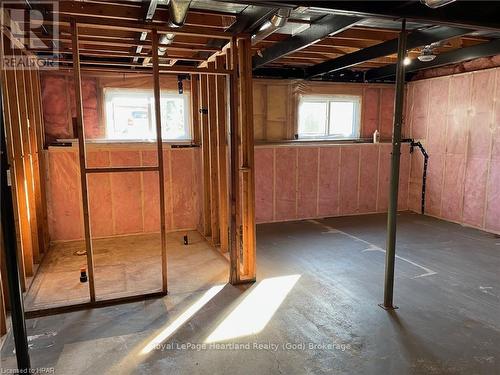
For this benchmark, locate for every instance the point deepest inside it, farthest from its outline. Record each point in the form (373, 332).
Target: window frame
(131, 92)
(328, 99)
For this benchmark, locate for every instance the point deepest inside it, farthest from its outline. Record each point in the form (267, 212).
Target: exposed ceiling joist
(328, 25)
(453, 57)
(246, 22)
(150, 13)
(415, 39)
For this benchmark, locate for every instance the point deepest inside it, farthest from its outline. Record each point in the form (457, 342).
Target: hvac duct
(277, 21)
(165, 39)
(178, 12)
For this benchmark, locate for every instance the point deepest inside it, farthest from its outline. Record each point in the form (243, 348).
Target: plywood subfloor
(124, 266)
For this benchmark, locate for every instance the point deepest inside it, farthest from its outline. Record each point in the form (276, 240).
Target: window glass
(342, 117)
(313, 116)
(329, 117)
(130, 115)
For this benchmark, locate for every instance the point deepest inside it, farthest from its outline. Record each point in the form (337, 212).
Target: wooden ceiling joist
(326, 26)
(135, 12)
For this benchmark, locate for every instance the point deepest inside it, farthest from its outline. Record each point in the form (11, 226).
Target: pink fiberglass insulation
(58, 102)
(121, 203)
(307, 181)
(264, 180)
(328, 180)
(286, 183)
(463, 142)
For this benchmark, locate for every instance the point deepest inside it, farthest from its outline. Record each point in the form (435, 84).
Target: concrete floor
(123, 266)
(319, 283)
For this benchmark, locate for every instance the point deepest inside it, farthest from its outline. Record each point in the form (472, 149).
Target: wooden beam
(164, 69)
(159, 148)
(121, 169)
(82, 161)
(247, 153)
(126, 25)
(133, 12)
(92, 41)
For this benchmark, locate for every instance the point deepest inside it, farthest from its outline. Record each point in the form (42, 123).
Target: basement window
(333, 117)
(130, 115)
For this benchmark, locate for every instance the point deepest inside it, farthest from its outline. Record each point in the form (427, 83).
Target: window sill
(317, 141)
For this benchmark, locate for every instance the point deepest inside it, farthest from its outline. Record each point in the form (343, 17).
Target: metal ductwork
(277, 21)
(178, 12)
(436, 3)
(168, 39)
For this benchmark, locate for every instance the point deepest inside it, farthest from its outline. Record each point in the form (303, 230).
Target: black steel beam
(462, 13)
(453, 57)
(251, 18)
(414, 40)
(328, 25)
(10, 244)
(246, 22)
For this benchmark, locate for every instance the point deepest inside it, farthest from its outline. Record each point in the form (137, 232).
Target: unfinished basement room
(250, 187)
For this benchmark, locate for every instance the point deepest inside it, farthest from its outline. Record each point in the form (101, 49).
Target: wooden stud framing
(83, 164)
(234, 249)
(24, 116)
(221, 89)
(11, 153)
(18, 185)
(207, 228)
(214, 170)
(84, 170)
(159, 144)
(37, 98)
(33, 128)
(195, 108)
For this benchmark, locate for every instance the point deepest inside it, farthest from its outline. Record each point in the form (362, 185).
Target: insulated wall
(301, 182)
(275, 104)
(121, 203)
(457, 118)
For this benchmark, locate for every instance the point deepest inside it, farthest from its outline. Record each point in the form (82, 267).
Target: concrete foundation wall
(457, 118)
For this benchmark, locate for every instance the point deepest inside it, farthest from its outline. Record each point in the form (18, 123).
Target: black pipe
(424, 174)
(10, 243)
(390, 254)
